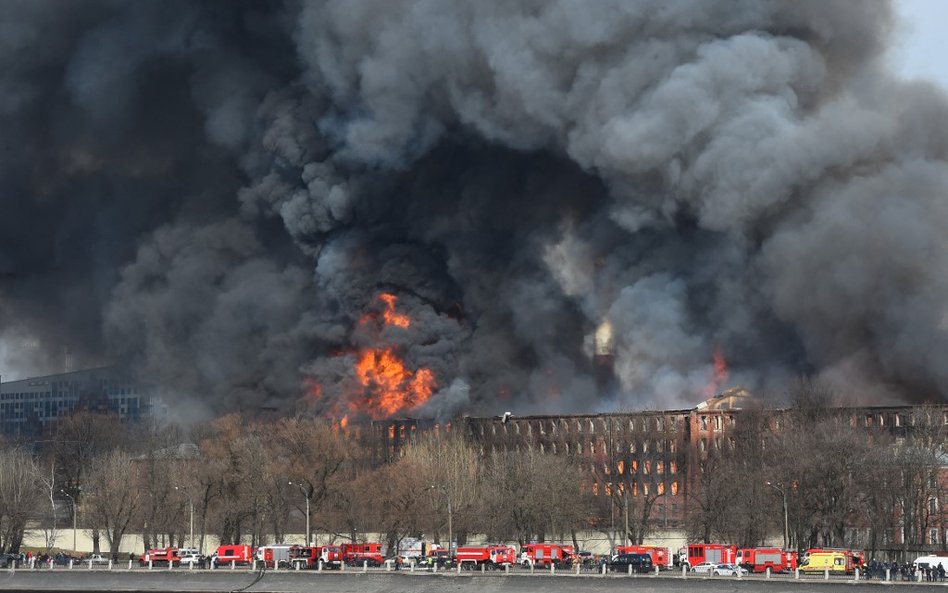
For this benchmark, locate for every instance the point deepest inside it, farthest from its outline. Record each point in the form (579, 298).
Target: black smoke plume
(216, 194)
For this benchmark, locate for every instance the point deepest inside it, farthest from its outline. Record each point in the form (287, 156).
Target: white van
(933, 561)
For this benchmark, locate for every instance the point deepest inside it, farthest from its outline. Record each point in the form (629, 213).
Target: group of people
(906, 572)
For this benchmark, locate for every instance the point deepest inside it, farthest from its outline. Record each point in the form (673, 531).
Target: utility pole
(305, 494)
(447, 495)
(786, 530)
(73, 501)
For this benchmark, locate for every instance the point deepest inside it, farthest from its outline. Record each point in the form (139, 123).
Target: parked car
(730, 570)
(96, 559)
(8, 560)
(61, 559)
(639, 562)
(703, 568)
(192, 558)
(726, 570)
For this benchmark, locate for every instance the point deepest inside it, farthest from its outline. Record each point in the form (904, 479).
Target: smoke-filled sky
(219, 194)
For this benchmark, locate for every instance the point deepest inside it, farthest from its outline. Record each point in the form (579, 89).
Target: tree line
(251, 481)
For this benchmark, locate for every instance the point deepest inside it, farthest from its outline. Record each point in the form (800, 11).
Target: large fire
(719, 375)
(385, 385)
(389, 385)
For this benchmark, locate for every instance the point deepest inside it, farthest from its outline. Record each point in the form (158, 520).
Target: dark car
(8, 560)
(61, 559)
(639, 562)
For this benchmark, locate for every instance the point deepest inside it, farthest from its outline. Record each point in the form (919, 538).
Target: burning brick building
(654, 456)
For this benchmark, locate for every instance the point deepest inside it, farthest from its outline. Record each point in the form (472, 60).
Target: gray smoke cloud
(217, 194)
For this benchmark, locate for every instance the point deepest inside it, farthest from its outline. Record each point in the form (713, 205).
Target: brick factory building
(646, 454)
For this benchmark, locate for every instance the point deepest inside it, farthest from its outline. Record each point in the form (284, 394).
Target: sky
(921, 49)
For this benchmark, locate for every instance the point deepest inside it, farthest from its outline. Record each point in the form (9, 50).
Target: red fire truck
(356, 554)
(491, 556)
(716, 553)
(660, 556)
(331, 556)
(543, 555)
(160, 557)
(760, 559)
(274, 556)
(239, 554)
(303, 557)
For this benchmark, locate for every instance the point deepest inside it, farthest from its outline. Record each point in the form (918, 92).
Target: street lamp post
(447, 496)
(73, 501)
(306, 498)
(786, 530)
(191, 510)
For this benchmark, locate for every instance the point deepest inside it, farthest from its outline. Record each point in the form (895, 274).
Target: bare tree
(19, 495)
(46, 480)
(113, 496)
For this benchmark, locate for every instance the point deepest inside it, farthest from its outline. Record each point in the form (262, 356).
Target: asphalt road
(405, 582)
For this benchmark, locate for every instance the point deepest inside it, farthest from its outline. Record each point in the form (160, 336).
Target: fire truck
(356, 554)
(239, 554)
(760, 559)
(491, 556)
(274, 556)
(661, 557)
(543, 555)
(695, 554)
(303, 557)
(330, 556)
(161, 557)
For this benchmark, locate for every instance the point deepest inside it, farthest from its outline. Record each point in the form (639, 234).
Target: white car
(724, 570)
(95, 559)
(195, 559)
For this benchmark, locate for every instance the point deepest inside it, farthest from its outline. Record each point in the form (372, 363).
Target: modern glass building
(29, 406)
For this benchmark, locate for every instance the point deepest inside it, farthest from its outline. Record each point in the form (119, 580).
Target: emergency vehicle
(491, 556)
(695, 554)
(330, 556)
(760, 559)
(835, 560)
(356, 554)
(303, 557)
(660, 556)
(858, 556)
(274, 556)
(161, 557)
(543, 555)
(440, 557)
(239, 554)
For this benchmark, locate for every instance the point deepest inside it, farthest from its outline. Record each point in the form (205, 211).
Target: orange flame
(382, 373)
(389, 315)
(388, 386)
(384, 386)
(719, 375)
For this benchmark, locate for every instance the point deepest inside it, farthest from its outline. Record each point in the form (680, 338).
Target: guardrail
(389, 566)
